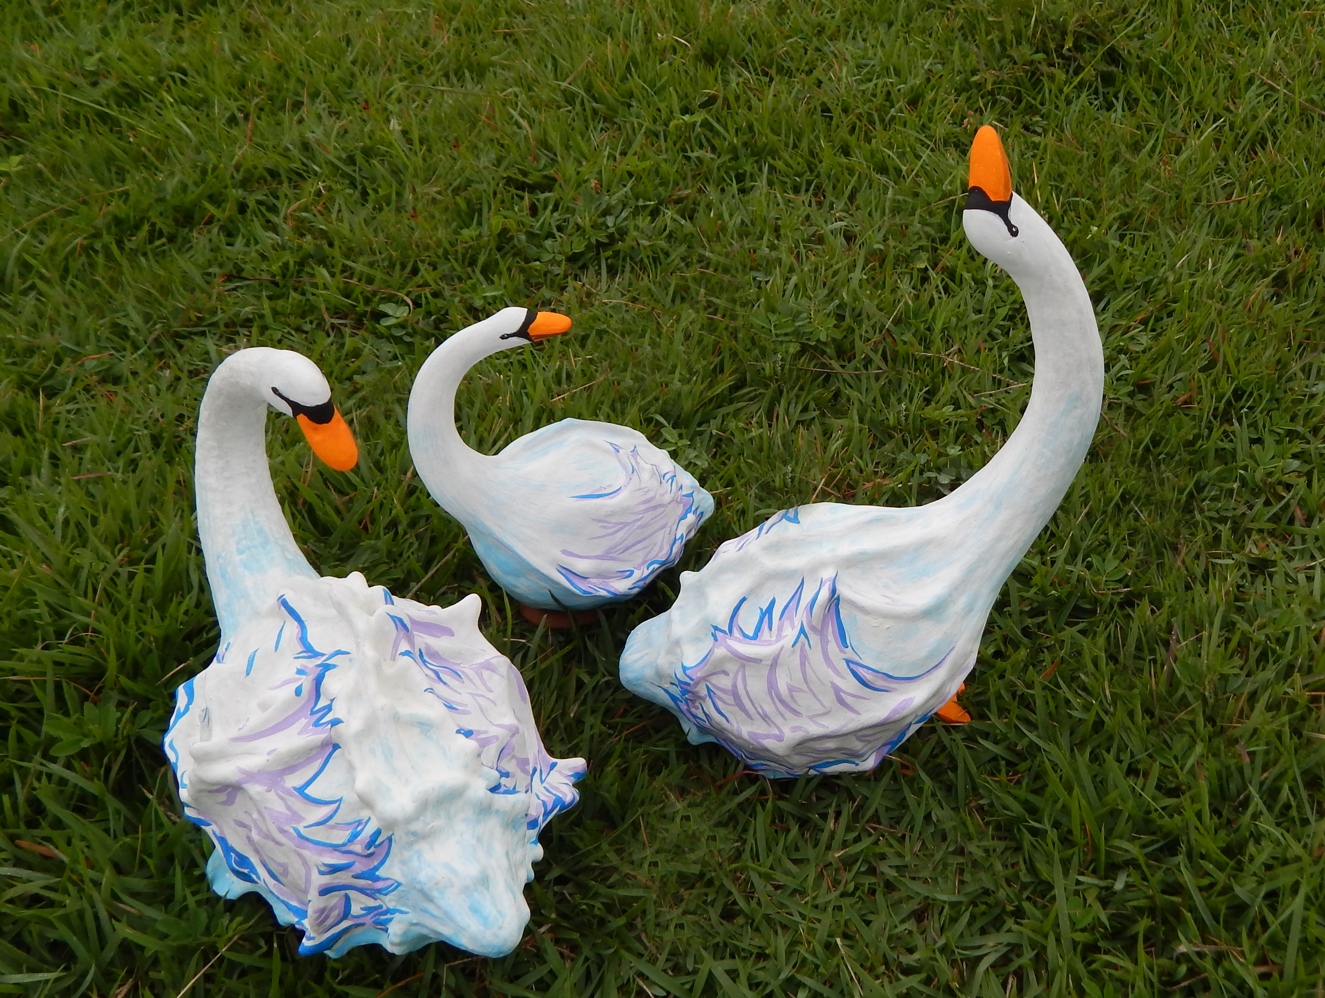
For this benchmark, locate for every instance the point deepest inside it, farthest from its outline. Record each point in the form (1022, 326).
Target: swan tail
(701, 501)
(554, 790)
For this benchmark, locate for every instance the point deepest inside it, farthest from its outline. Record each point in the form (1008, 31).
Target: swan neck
(443, 460)
(247, 545)
(1017, 492)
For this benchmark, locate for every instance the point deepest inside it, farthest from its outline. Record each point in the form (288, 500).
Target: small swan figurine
(570, 517)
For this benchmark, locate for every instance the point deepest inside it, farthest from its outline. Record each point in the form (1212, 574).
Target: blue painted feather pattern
(480, 695)
(791, 687)
(645, 523)
(274, 827)
(790, 516)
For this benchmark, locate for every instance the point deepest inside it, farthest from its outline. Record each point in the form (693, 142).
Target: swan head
(294, 386)
(515, 326)
(996, 220)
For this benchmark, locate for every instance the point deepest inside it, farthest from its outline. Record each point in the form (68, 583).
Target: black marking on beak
(320, 414)
(523, 332)
(978, 200)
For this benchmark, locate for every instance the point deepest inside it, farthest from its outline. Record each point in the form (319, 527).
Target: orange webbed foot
(952, 711)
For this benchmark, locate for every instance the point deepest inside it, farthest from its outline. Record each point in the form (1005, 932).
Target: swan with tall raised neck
(570, 517)
(820, 640)
(367, 764)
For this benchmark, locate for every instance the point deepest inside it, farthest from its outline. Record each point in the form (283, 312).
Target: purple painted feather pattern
(643, 527)
(791, 694)
(490, 701)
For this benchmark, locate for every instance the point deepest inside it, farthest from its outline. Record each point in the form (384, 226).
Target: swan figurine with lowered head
(570, 517)
(367, 764)
(820, 640)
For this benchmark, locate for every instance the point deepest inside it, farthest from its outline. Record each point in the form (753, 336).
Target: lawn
(752, 211)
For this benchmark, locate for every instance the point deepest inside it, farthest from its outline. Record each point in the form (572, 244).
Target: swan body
(367, 764)
(820, 640)
(574, 515)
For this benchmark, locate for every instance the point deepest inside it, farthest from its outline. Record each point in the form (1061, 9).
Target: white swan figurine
(369, 765)
(572, 516)
(817, 642)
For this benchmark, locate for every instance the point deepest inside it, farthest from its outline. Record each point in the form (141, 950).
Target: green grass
(751, 211)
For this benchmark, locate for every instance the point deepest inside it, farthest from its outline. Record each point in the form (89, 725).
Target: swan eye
(321, 414)
(978, 200)
(523, 332)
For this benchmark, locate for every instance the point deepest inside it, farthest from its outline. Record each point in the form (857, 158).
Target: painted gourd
(573, 516)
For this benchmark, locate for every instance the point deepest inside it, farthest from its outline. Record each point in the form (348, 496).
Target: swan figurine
(570, 517)
(820, 640)
(367, 764)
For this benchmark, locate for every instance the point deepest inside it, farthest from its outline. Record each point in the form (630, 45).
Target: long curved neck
(246, 542)
(445, 463)
(1012, 497)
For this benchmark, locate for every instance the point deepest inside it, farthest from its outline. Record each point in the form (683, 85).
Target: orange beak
(547, 324)
(989, 166)
(332, 442)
